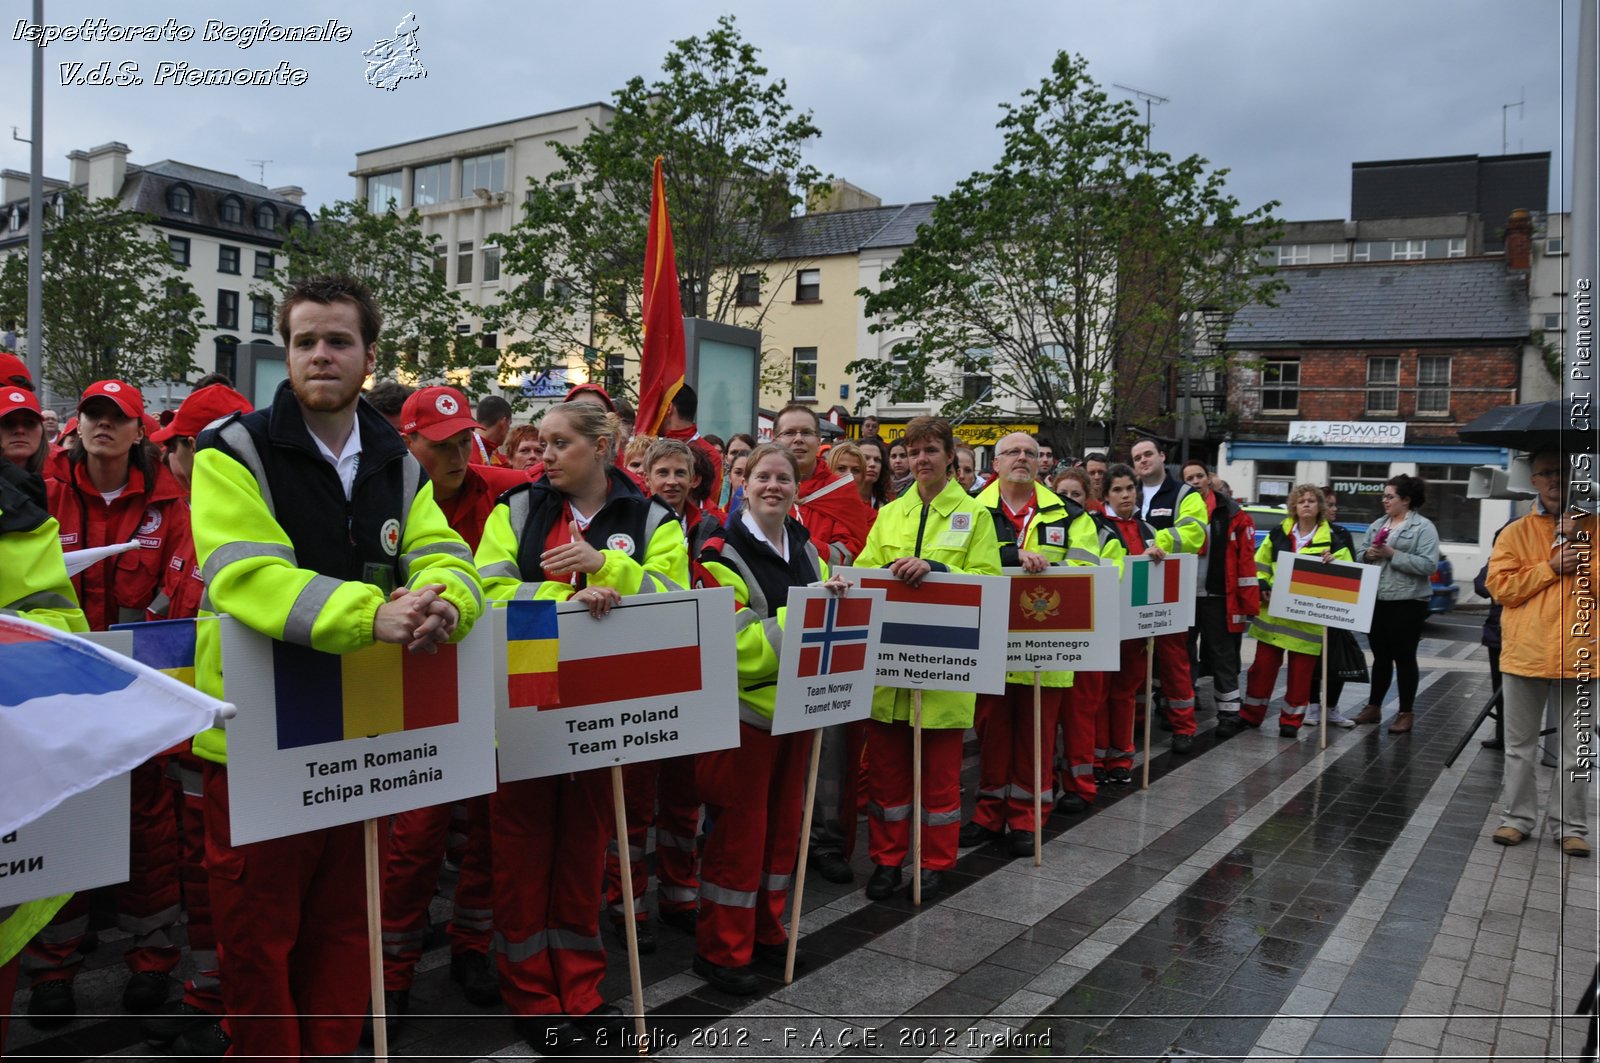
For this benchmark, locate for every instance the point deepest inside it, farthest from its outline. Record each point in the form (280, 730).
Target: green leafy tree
(733, 167)
(1064, 277)
(115, 303)
(390, 253)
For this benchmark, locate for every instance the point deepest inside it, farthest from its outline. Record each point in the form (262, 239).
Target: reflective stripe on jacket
(1294, 635)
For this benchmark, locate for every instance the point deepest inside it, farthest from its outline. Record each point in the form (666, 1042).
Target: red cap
(210, 403)
(13, 370)
(13, 398)
(438, 413)
(66, 430)
(126, 396)
(598, 390)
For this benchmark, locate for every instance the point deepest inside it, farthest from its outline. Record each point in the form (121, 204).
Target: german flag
(1332, 581)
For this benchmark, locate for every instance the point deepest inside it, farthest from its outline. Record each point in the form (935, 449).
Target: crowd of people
(446, 508)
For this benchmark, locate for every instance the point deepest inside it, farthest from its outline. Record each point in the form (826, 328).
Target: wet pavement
(1262, 900)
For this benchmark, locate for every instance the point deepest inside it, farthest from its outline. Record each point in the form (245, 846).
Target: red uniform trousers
(203, 990)
(1006, 755)
(417, 842)
(1264, 673)
(662, 790)
(1114, 728)
(548, 846)
(148, 904)
(754, 794)
(1172, 668)
(1083, 710)
(290, 916)
(889, 786)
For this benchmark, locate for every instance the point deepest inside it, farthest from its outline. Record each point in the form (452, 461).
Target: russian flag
(73, 714)
(941, 616)
(648, 649)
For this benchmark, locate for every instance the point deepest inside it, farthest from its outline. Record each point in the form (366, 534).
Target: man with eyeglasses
(838, 522)
(1541, 573)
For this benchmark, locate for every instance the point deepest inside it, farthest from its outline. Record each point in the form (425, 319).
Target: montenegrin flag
(1052, 602)
(661, 362)
(73, 714)
(943, 616)
(1328, 580)
(833, 636)
(1153, 582)
(650, 649)
(531, 653)
(330, 697)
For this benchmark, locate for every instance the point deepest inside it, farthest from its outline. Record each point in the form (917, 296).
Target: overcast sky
(1285, 94)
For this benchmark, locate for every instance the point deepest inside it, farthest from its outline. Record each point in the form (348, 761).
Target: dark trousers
(1396, 630)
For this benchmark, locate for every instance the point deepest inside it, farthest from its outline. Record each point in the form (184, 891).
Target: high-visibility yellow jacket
(953, 533)
(1060, 531)
(324, 590)
(1547, 621)
(1294, 635)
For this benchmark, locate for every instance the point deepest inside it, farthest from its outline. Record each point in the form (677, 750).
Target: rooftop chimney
(79, 177)
(293, 193)
(108, 165)
(1519, 240)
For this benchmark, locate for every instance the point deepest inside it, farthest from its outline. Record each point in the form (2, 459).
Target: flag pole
(1149, 703)
(631, 926)
(1038, 754)
(805, 852)
(1322, 731)
(380, 1027)
(916, 797)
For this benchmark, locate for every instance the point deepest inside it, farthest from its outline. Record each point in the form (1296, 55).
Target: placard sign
(655, 678)
(1067, 618)
(1157, 596)
(829, 665)
(322, 739)
(946, 633)
(77, 845)
(1330, 593)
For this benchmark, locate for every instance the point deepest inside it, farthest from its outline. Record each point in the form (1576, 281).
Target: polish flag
(649, 649)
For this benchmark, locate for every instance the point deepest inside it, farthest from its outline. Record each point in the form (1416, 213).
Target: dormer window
(300, 220)
(180, 199)
(266, 216)
(232, 210)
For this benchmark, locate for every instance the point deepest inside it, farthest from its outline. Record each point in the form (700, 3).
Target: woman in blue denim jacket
(1406, 544)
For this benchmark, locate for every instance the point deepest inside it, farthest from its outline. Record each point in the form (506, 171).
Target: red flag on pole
(661, 363)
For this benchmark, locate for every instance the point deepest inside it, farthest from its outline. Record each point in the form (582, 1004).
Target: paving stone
(1442, 971)
(1427, 1031)
(1451, 947)
(1481, 994)
(1511, 1045)
(1464, 1048)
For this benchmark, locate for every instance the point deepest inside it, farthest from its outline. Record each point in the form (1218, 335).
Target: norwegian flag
(833, 637)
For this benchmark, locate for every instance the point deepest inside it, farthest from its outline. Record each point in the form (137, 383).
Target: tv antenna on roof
(261, 169)
(1148, 98)
(1504, 107)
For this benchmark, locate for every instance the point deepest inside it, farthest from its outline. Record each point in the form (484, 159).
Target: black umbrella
(1530, 426)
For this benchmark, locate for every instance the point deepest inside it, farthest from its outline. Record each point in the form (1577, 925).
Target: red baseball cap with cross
(438, 413)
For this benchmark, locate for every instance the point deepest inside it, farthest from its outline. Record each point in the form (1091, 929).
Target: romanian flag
(1153, 582)
(165, 645)
(1049, 602)
(661, 362)
(329, 697)
(1328, 580)
(531, 654)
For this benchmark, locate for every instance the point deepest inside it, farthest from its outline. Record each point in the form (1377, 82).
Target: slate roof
(845, 232)
(1452, 299)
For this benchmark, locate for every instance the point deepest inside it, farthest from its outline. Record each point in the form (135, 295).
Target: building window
(260, 314)
(1456, 247)
(180, 249)
(1452, 512)
(489, 341)
(1555, 245)
(1383, 384)
(749, 289)
(484, 171)
(1280, 386)
(227, 357)
(430, 184)
(808, 286)
(491, 263)
(266, 216)
(227, 309)
(616, 373)
(383, 192)
(300, 220)
(1405, 250)
(907, 386)
(227, 259)
(232, 210)
(976, 387)
(1274, 480)
(1361, 252)
(1294, 255)
(263, 264)
(1358, 488)
(441, 261)
(1433, 385)
(805, 374)
(1552, 322)
(464, 262)
(180, 200)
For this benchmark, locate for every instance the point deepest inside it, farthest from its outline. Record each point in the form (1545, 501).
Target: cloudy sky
(1285, 93)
